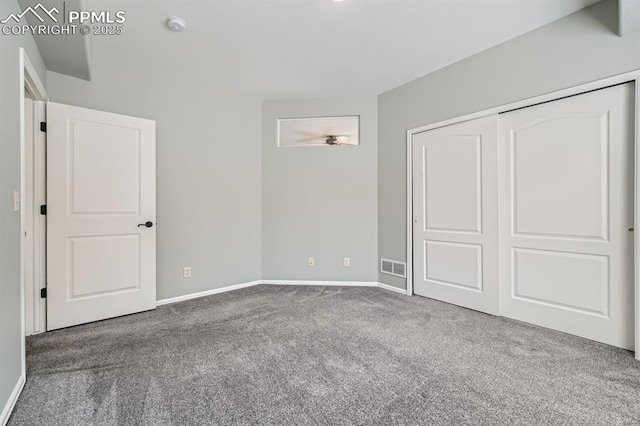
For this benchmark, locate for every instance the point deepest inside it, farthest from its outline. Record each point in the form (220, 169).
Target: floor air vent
(391, 267)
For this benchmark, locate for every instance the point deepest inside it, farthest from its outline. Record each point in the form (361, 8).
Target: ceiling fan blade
(310, 139)
(309, 134)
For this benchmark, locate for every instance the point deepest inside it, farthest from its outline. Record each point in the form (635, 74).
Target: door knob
(631, 229)
(148, 224)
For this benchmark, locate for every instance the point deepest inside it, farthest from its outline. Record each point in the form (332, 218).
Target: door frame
(633, 76)
(33, 197)
(30, 81)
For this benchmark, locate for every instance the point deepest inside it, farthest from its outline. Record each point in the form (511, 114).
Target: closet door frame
(634, 77)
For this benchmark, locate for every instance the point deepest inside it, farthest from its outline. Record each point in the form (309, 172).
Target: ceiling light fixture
(336, 140)
(176, 24)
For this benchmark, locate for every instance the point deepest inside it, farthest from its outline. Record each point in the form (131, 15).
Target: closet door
(566, 249)
(455, 211)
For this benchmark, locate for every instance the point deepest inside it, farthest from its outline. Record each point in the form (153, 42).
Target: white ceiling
(66, 54)
(313, 48)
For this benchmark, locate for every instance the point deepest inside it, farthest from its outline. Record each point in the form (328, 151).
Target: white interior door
(567, 204)
(455, 212)
(100, 188)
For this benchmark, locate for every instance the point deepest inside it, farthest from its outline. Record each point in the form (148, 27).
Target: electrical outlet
(312, 261)
(186, 272)
(347, 262)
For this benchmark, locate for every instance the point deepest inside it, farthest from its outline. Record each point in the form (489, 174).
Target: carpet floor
(284, 355)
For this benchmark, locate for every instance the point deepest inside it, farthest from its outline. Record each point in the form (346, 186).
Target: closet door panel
(566, 254)
(455, 209)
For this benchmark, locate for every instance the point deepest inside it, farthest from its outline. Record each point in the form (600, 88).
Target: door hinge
(43, 209)
(43, 293)
(43, 126)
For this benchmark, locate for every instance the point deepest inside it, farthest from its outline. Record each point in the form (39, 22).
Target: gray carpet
(323, 355)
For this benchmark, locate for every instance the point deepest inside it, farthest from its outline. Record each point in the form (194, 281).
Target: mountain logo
(34, 11)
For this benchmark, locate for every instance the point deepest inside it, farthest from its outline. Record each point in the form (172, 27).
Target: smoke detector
(176, 24)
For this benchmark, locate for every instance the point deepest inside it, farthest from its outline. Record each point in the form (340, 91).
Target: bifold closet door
(455, 211)
(566, 249)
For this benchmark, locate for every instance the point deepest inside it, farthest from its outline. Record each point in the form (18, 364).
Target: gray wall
(208, 167)
(579, 48)
(10, 90)
(320, 201)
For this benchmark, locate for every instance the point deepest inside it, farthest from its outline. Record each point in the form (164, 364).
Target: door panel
(103, 265)
(101, 186)
(567, 201)
(567, 280)
(456, 214)
(95, 146)
(439, 256)
(455, 206)
(578, 166)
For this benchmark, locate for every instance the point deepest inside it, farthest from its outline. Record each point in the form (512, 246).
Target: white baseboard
(207, 293)
(13, 398)
(392, 288)
(325, 283)
(279, 282)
